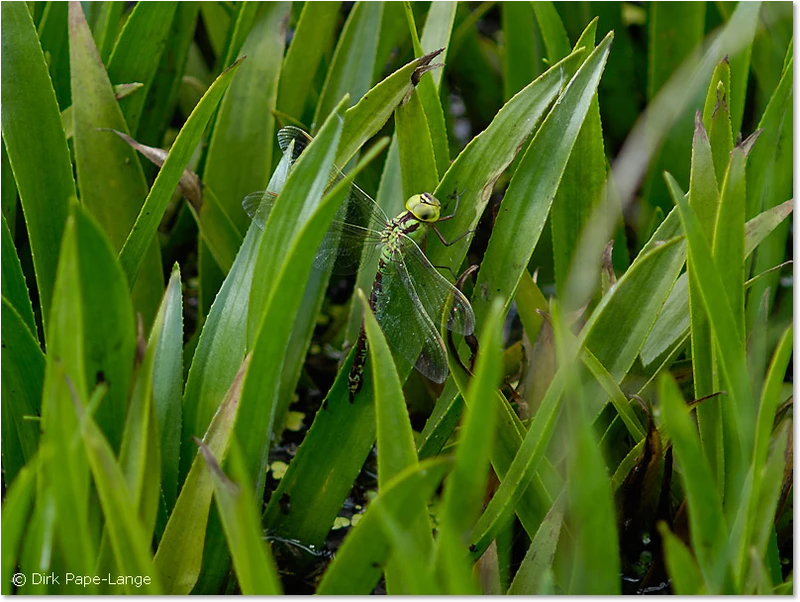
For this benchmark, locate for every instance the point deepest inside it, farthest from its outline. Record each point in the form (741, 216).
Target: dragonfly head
(425, 207)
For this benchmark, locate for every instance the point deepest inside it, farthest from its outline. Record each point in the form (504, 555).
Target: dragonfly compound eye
(425, 207)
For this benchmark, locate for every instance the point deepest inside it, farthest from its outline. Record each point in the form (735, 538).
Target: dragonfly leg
(356, 376)
(444, 241)
(448, 268)
(457, 196)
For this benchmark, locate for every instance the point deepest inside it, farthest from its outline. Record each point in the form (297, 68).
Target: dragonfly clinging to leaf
(409, 297)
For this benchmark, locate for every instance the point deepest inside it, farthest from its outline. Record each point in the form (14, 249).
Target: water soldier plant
(207, 390)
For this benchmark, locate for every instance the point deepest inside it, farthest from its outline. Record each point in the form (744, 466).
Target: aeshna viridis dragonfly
(409, 296)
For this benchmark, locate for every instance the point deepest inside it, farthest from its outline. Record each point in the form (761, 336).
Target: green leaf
(312, 37)
(437, 31)
(704, 199)
(279, 317)
(108, 168)
(255, 568)
(132, 255)
(672, 324)
(350, 71)
(220, 235)
(22, 379)
(140, 455)
(653, 271)
(17, 508)
(521, 59)
(36, 146)
(396, 447)
(644, 142)
(674, 31)
(137, 53)
(681, 566)
(298, 222)
(739, 408)
(14, 287)
(168, 384)
(708, 529)
(64, 465)
(465, 488)
(217, 22)
(769, 176)
(583, 184)
(537, 177)
(357, 565)
(717, 117)
(427, 88)
(216, 359)
(180, 553)
(106, 27)
(766, 473)
(162, 97)
(553, 32)
(239, 158)
(590, 514)
(396, 452)
(108, 324)
(729, 234)
(417, 159)
(53, 36)
(374, 109)
(128, 537)
(531, 575)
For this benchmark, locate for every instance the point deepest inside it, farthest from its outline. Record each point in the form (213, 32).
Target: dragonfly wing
(344, 246)
(354, 234)
(289, 134)
(435, 292)
(257, 205)
(406, 324)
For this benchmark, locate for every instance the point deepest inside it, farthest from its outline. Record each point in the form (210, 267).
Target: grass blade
(357, 566)
(108, 168)
(180, 553)
(36, 145)
(168, 384)
(465, 488)
(132, 255)
(705, 508)
(14, 287)
(255, 568)
(353, 61)
(17, 508)
(22, 378)
(239, 158)
(312, 37)
(137, 54)
(396, 452)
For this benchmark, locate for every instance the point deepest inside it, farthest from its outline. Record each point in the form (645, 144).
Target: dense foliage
(176, 414)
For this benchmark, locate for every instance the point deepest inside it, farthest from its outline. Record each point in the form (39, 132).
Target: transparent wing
(436, 294)
(409, 330)
(289, 134)
(355, 233)
(344, 246)
(257, 205)
(356, 229)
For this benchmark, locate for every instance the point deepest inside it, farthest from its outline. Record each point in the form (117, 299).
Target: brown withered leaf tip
(424, 65)
(190, 185)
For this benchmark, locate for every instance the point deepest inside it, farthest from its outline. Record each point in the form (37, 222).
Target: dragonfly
(409, 297)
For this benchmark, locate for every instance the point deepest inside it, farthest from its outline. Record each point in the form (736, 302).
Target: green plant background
(175, 410)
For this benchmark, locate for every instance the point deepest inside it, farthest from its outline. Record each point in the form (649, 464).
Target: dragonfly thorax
(425, 207)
